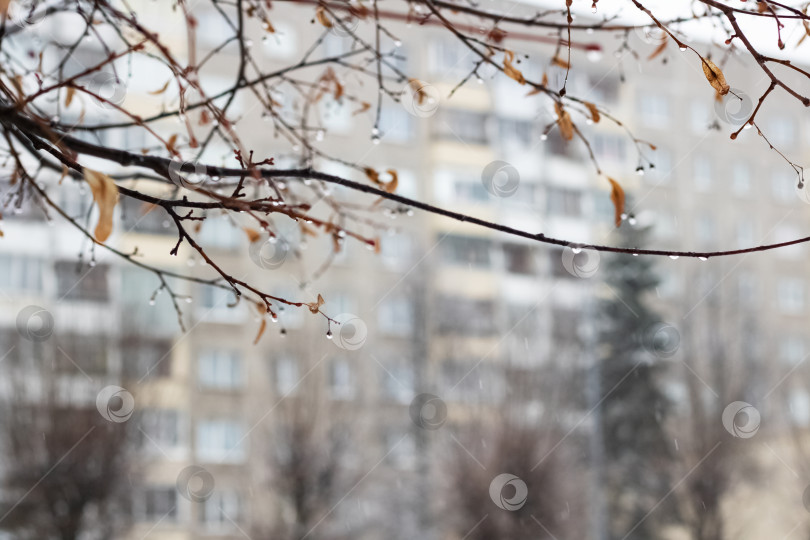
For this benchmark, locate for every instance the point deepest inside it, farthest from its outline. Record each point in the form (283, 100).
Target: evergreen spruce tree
(633, 344)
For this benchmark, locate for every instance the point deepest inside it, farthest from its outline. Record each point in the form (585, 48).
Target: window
(449, 58)
(565, 326)
(222, 510)
(608, 147)
(702, 171)
(519, 259)
(700, 117)
(397, 377)
(159, 504)
(467, 127)
(468, 190)
(214, 306)
(141, 217)
(81, 282)
(747, 288)
(395, 316)
(781, 131)
(513, 131)
(145, 358)
(287, 376)
(341, 379)
(790, 295)
(661, 168)
(220, 441)
(563, 202)
(396, 125)
(396, 251)
(466, 250)
(20, 274)
(400, 448)
(799, 406)
(741, 179)
(221, 369)
(705, 229)
(791, 349)
(160, 430)
(81, 354)
(783, 186)
(745, 234)
(464, 316)
(219, 232)
(654, 110)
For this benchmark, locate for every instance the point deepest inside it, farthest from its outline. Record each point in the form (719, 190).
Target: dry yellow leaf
(391, 186)
(105, 193)
(511, 71)
(617, 197)
(715, 77)
(322, 17)
(252, 234)
(564, 121)
(315, 307)
(559, 62)
(658, 50)
(161, 89)
(262, 328)
(594, 112)
(69, 93)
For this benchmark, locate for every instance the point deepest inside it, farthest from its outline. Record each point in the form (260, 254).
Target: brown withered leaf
(322, 17)
(170, 144)
(544, 80)
(559, 62)
(715, 77)
(595, 116)
(105, 193)
(617, 198)
(268, 26)
(161, 89)
(364, 106)
(262, 328)
(564, 121)
(315, 307)
(391, 186)
(658, 50)
(4, 6)
(70, 91)
(252, 234)
(511, 71)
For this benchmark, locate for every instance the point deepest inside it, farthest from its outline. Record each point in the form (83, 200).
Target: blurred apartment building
(446, 308)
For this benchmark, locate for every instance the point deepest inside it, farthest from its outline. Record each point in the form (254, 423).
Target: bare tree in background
(49, 139)
(68, 471)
